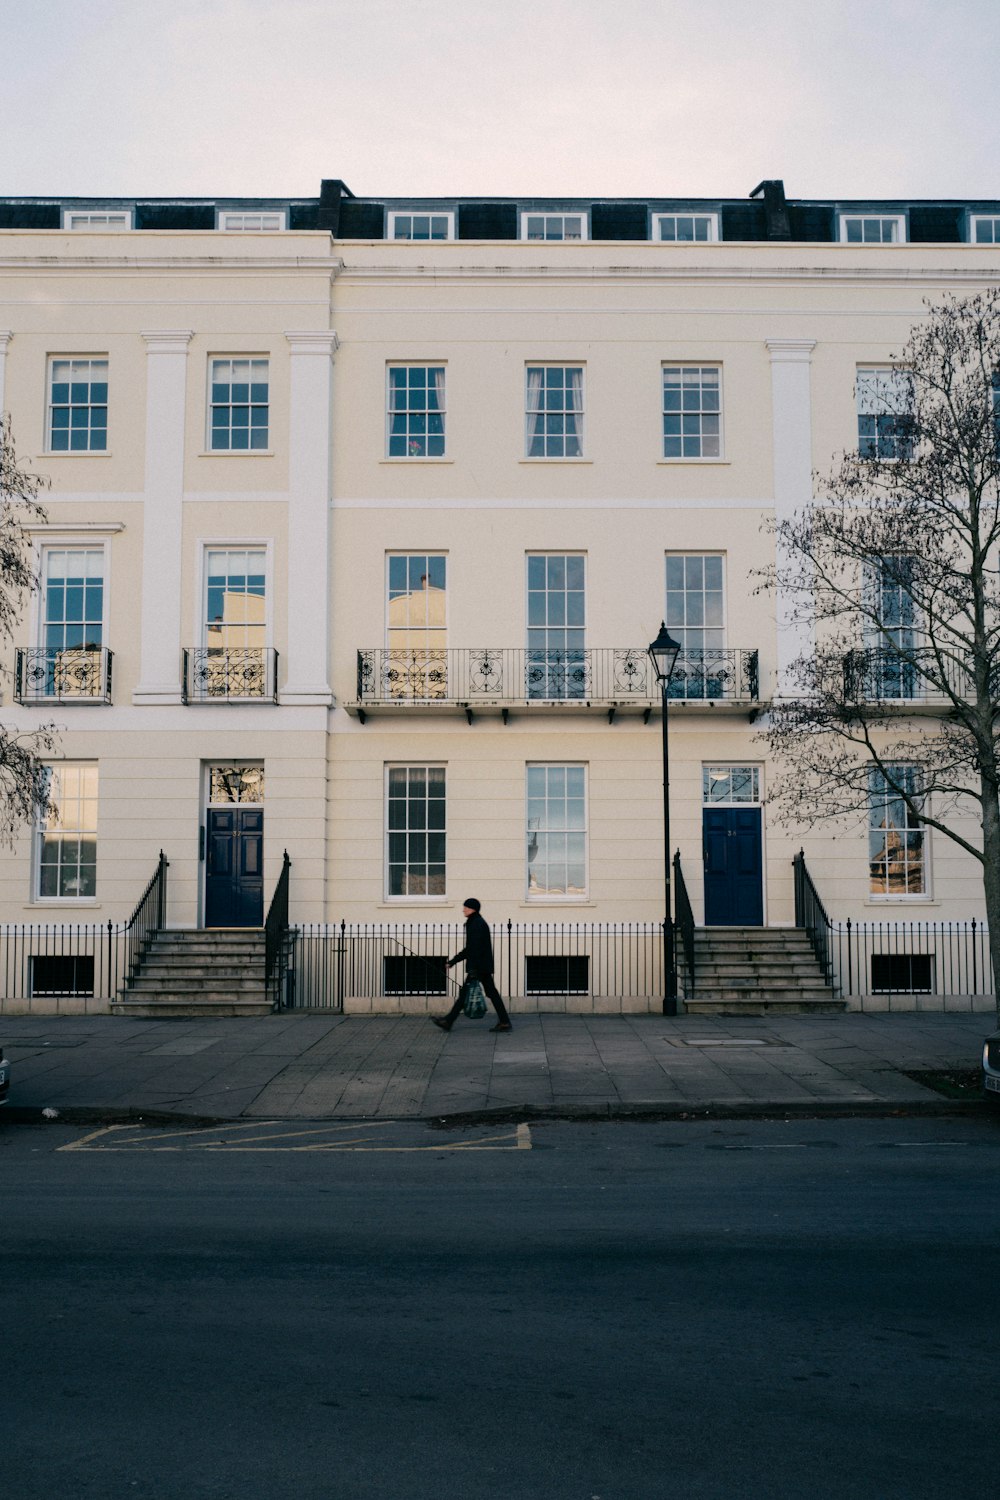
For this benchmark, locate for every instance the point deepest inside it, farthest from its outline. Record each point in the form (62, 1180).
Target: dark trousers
(492, 995)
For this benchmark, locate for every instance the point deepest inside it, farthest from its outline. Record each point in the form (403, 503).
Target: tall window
(896, 846)
(556, 662)
(685, 227)
(554, 424)
(78, 405)
(430, 226)
(894, 675)
(415, 831)
(416, 411)
(695, 616)
(692, 411)
(885, 423)
(66, 840)
(416, 627)
(239, 405)
(872, 229)
(553, 227)
(72, 623)
(234, 662)
(556, 834)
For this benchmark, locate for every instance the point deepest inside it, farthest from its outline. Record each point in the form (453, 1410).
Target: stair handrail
(276, 933)
(148, 918)
(810, 915)
(684, 923)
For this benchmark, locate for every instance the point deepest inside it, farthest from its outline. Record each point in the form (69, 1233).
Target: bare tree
(23, 775)
(893, 572)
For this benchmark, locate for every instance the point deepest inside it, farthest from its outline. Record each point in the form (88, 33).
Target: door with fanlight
(234, 846)
(732, 845)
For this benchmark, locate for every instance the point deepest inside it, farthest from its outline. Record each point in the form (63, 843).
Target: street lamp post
(663, 654)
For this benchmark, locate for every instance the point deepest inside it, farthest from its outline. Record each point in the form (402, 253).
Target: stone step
(187, 1006)
(716, 1005)
(158, 963)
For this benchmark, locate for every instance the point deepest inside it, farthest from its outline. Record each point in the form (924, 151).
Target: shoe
(502, 1026)
(444, 1025)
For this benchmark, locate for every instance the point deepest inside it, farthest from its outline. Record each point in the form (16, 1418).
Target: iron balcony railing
(50, 674)
(230, 674)
(485, 675)
(880, 675)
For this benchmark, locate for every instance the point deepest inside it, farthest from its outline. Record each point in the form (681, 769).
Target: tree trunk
(991, 878)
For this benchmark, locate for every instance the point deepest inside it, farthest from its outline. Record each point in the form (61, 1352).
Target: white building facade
(363, 514)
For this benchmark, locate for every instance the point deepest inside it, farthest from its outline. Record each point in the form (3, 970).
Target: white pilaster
(160, 644)
(309, 456)
(5, 338)
(791, 406)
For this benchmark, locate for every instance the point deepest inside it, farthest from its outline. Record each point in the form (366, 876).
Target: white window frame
(974, 222)
(235, 220)
(415, 458)
(546, 898)
(712, 220)
(910, 898)
(438, 898)
(897, 220)
(896, 375)
(699, 458)
(209, 405)
(556, 458)
(100, 220)
(72, 543)
(40, 826)
(728, 767)
(70, 452)
(447, 214)
(584, 687)
(553, 216)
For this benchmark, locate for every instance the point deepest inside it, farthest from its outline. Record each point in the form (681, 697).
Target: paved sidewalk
(312, 1066)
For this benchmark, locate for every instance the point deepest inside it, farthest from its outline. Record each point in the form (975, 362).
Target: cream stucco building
(362, 515)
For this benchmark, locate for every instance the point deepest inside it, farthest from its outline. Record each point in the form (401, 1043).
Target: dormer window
(685, 228)
(269, 220)
(872, 229)
(97, 219)
(417, 226)
(984, 229)
(553, 226)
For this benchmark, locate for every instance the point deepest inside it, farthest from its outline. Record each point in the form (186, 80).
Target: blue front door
(734, 894)
(234, 879)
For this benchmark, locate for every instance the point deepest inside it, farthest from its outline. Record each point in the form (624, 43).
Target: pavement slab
(314, 1066)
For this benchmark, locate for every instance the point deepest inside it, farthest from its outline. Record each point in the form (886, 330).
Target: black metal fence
(904, 961)
(60, 966)
(277, 939)
(684, 928)
(345, 961)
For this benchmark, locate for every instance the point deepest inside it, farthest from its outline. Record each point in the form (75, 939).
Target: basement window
(414, 974)
(557, 974)
(61, 974)
(902, 973)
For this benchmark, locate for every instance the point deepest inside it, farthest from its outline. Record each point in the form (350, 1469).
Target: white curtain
(534, 431)
(574, 423)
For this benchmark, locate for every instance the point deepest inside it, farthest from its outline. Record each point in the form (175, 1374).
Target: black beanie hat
(471, 902)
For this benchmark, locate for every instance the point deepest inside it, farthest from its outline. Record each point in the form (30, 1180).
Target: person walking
(478, 955)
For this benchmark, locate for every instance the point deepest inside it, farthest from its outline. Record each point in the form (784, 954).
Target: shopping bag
(473, 999)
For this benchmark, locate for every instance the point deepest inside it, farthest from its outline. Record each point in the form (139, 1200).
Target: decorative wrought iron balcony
(230, 674)
(504, 677)
(48, 674)
(878, 675)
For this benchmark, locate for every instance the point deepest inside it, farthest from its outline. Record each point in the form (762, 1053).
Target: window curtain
(574, 416)
(535, 447)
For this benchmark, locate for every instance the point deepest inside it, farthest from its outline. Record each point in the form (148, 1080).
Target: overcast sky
(841, 98)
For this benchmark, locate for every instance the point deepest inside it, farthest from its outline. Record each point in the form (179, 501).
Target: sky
(568, 98)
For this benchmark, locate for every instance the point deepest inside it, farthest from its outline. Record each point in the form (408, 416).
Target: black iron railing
(400, 676)
(916, 963)
(883, 675)
(277, 942)
(146, 921)
(810, 914)
(684, 926)
(56, 966)
(47, 674)
(599, 961)
(224, 674)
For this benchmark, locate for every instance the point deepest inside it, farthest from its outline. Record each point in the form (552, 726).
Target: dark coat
(478, 950)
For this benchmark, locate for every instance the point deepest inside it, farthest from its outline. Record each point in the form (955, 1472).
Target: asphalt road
(575, 1312)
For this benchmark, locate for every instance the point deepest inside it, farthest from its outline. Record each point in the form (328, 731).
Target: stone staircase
(758, 971)
(215, 972)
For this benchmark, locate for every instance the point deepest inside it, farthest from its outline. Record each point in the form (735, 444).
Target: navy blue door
(734, 894)
(234, 880)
